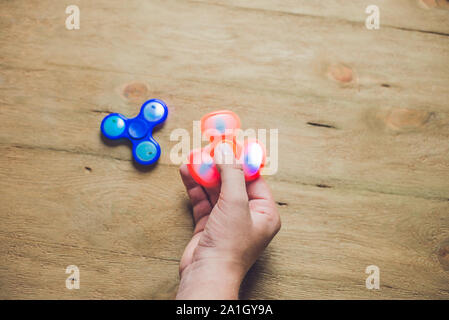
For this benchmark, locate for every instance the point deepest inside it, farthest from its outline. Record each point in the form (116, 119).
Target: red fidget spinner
(221, 127)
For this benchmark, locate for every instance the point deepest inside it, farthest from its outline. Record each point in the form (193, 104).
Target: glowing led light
(114, 126)
(204, 168)
(146, 151)
(153, 111)
(220, 125)
(255, 156)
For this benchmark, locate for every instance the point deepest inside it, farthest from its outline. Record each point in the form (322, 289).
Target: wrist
(211, 280)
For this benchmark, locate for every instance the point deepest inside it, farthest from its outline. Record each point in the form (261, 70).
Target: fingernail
(223, 154)
(224, 148)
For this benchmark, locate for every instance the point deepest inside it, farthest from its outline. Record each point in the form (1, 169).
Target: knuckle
(277, 224)
(274, 223)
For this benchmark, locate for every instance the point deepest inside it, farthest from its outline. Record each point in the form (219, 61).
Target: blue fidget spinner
(138, 130)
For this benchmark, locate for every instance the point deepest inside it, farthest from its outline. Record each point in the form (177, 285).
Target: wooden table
(363, 119)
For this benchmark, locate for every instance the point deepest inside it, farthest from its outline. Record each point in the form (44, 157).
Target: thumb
(233, 187)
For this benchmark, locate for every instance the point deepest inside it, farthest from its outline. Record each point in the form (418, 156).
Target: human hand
(233, 224)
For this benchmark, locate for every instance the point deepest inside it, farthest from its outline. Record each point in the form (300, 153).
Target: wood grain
(363, 121)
